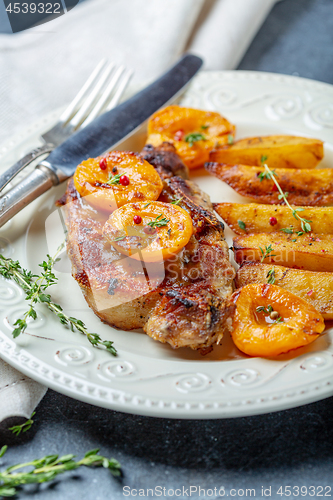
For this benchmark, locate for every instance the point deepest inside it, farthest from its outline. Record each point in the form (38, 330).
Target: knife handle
(9, 175)
(40, 180)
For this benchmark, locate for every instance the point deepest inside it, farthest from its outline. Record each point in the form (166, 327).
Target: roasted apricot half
(193, 132)
(149, 231)
(110, 181)
(269, 321)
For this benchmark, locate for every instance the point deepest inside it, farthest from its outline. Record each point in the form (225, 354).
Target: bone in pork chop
(183, 301)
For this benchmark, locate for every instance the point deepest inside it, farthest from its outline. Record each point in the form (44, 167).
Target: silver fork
(101, 92)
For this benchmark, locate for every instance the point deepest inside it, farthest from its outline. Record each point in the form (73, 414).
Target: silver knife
(104, 133)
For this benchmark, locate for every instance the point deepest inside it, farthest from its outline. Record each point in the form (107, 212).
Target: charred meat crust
(165, 160)
(196, 310)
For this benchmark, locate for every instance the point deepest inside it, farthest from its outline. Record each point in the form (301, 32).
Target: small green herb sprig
(177, 201)
(264, 175)
(158, 222)
(267, 252)
(271, 276)
(241, 224)
(194, 137)
(35, 287)
(305, 224)
(48, 468)
(265, 310)
(274, 315)
(114, 179)
(17, 429)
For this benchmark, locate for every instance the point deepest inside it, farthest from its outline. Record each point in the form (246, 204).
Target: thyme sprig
(271, 276)
(177, 201)
(194, 137)
(274, 315)
(267, 252)
(35, 287)
(265, 310)
(17, 429)
(305, 224)
(241, 224)
(158, 222)
(114, 179)
(265, 175)
(48, 468)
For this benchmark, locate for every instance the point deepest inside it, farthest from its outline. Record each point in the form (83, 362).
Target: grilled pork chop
(183, 301)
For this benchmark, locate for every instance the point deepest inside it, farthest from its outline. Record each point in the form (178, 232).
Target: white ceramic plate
(147, 377)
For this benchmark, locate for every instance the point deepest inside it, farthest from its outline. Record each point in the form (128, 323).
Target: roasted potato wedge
(272, 218)
(313, 252)
(311, 187)
(279, 151)
(269, 321)
(193, 132)
(314, 287)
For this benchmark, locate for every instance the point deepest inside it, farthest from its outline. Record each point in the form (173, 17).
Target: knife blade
(104, 133)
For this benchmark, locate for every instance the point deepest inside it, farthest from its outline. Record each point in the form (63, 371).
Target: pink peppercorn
(273, 221)
(103, 164)
(124, 180)
(179, 135)
(137, 219)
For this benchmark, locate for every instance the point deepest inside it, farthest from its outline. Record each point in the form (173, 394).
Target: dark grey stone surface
(296, 39)
(290, 448)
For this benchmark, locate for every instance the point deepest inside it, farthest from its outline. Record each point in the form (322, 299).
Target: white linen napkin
(44, 67)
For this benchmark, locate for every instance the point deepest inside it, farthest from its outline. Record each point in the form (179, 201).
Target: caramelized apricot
(163, 231)
(269, 321)
(117, 178)
(193, 132)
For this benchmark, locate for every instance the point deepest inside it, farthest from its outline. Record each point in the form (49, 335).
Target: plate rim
(12, 353)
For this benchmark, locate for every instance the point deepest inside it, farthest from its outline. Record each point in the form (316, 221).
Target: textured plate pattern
(149, 378)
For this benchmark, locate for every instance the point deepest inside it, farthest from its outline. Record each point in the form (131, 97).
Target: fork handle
(40, 180)
(7, 176)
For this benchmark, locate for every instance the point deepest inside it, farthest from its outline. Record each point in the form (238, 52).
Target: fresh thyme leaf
(271, 276)
(241, 224)
(48, 468)
(158, 222)
(265, 175)
(204, 127)
(146, 205)
(114, 179)
(267, 252)
(287, 230)
(277, 321)
(264, 310)
(119, 238)
(35, 286)
(263, 159)
(17, 429)
(230, 139)
(176, 202)
(194, 137)
(272, 314)
(305, 224)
